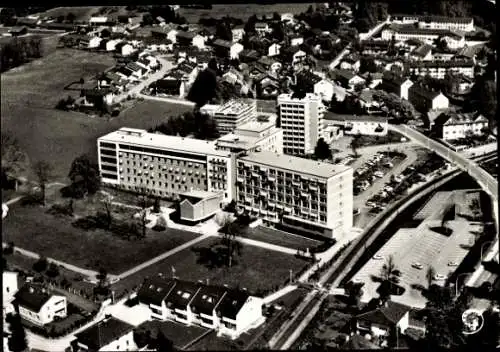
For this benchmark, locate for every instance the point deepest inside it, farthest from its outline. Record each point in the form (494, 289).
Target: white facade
(368, 127)
(247, 317)
(301, 121)
(466, 25)
(301, 194)
(233, 114)
(440, 102)
(111, 44)
(94, 42)
(10, 288)
(427, 37)
(299, 56)
(324, 89)
(172, 36)
(296, 41)
(199, 42)
(440, 69)
(273, 50)
(235, 50)
(55, 306)
(164, 165)
(237, 34)
(456, 129)
(253, 136)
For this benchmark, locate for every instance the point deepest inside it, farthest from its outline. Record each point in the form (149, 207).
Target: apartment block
(465, 24)
(401, 33)
(301, 194)
(258, 135)
(165, 165)
(301, 121)
(233, 114)
(439, 68)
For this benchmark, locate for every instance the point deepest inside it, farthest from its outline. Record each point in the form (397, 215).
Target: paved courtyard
(420, 245)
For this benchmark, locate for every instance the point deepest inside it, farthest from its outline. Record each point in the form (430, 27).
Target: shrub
(40, 265)
(161, 224)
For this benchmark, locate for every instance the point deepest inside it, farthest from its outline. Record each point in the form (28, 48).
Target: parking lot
(415, 250)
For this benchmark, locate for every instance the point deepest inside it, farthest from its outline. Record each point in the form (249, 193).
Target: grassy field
(178, 333)
(33, 229)
(257, 268)
(82, 13)
(279, 238)
(29, 94)
(243, 11)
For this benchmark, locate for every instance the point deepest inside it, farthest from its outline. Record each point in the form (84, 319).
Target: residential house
(274, 50)
(18, 31)
(111, 44)
(348, 79)
(374, 47)
(28, 21)
(424, 99)
(98, 97)
(453, 125)
(381, 321)
(124, 49)
(256, 70)
(161, 21)
(208, 33)
(324, 88)
(372, 79)
(298, 57)
(109, 334)
(179, 299)
(366, 100)
(248, 56)
(185, 39)
(262, 28)
(134, 22)
(224, 48)
(296, 40)
(159, 33)
(359, 125)
(170, 86)
(265, 62)
(10, 288)
(238, 33)
(394, 83)
(90, 42)
(238, 312)
(268, 87)
(351, 63)
(38, 306)
(275, 68)
(422, 53)
(204, 305)
(287, 18)
(153, 293)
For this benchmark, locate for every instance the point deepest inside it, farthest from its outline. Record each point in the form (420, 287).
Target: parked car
(377, 257)
(378, 174)
(417, 265)
(389, 164)
(439, 277)
(356, 211)
(452, 264)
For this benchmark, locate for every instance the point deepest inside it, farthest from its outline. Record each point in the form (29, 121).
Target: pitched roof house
(380, 321)
(109, 334)
(38, 306)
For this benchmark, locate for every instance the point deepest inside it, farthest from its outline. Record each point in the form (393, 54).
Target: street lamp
(482, 246)
(456, 283)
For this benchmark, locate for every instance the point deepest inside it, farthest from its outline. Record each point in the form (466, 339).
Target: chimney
(32, 290)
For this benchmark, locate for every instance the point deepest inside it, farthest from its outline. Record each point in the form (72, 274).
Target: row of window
(175, 162)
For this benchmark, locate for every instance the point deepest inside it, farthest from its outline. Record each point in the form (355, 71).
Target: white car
(377, 257)
(378, 174)
(452, 264)
(439, 277)
(389, 164)
(417, 266)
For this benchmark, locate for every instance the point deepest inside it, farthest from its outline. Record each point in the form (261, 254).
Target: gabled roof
(385, 316)
(261, 25)
(182, 294)
(154, 290)
(223, 43)
(32, 297)
(457, 118)
(253, 54)
(393, 78)
(422, 50)
(133, 66)
(423, 92)
(185, 35)
(265, 61)
(232, 303)
(344, 74)
(207, 299)
(103, 333)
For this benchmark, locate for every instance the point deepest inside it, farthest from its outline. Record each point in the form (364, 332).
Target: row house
(439, 69)
(38, 306)
(465, 24)
(429, 36)
(397, 84)
(296, 193)
(228, 311)
(454, 125)
(165, 165)
(424, 99)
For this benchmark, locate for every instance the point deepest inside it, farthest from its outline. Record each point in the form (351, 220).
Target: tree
(84, 175)
(162, 343)
(429, 275)
(107, 201)
(354, 292)
(156, 206)
(390, 275)
(52, 270)
(102, 276)
(70, 17)
(250, 24)
(17, 341)
(43, 171)
(223, 31)
(322, 150)
(229, 231)
(355, 144)
(14, 159)
(143, 197)
(203, 88)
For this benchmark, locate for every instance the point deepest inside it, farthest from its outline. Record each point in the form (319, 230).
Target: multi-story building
(36, 305)
(301, 121)
(296, 193)
(228, 311)
(9, 289)
(404, 32)
(233, 114)
(425, 100)
(451, 126)
(396, 84)
(166, 166)
(253, 136)
(465, 24)
(439, 69)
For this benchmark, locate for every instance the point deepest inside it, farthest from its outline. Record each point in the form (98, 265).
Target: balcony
(255, 174)
(271, 179)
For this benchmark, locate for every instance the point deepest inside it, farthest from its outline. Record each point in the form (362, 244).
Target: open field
(30, 93)
(280, 238)
(178, 333)
(257, 268)
(55, 237)
(82, 13)
(243, 11)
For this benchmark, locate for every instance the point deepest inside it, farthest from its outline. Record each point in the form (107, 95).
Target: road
(136, 90)
(487, 182)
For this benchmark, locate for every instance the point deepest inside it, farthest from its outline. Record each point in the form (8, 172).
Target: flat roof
(233, 108)
(199, 194)
(295, 164)
(161, 141)
(256, 126)
(238, 140)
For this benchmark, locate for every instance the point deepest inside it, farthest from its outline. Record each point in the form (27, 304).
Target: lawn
(30, 93)
(243, 11)
(257, 268)
(82, 13)
(280, 238)
(179, 334)
(55, 237)
(212, 342)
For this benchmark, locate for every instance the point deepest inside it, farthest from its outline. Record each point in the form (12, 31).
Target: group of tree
(395, 106)
(368, 13)
(205, 85)
(317, 18)
(15, 161)
(159, 342)
(229, 230)
(42, 265)
(84, 176)
(9, 15)
(194, 124)
(17, 342)
(483, 97)
(164, 11)
(18, 51)
(322, 150)
(350, 105)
